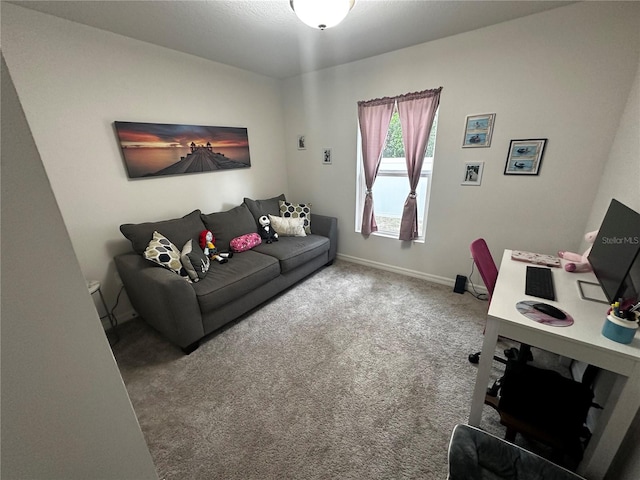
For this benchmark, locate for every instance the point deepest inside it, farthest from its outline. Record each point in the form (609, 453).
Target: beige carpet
(354, 373)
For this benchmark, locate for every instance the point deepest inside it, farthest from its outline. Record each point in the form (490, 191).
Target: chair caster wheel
(474, 358)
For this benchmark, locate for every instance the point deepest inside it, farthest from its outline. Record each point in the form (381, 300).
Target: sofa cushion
(297, 210)
(295, 251)
(161, 251)
(177, 230)
(226, 282)
(228, 225)
(270, 206)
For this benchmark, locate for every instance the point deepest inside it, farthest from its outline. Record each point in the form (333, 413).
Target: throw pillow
(194, 261)
(297, 210)
(288, 227)
(161, 251)
(269, 206)
(245, 242)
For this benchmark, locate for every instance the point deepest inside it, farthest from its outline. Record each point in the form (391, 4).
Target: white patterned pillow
(297, 210)
(161, 251)
(288, 227)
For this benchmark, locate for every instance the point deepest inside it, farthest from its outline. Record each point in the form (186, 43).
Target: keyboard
(539, 283)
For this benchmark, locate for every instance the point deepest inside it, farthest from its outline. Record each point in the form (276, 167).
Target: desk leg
(484, 370)
(612, 427)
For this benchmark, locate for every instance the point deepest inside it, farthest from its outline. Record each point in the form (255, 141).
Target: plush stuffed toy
(267, 233)
(210, 250)
(579, 263)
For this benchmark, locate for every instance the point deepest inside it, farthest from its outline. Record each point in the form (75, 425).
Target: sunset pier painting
(154, 149)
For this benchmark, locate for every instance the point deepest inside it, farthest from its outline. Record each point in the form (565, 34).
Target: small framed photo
(525, 156)
(472, 173)
(478, 130)
(326, 156)
(302, 142)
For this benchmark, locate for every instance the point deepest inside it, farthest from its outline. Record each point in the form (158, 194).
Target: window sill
(394, 236)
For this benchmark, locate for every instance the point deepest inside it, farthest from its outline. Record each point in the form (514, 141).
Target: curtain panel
(374, 117)
(416, 111)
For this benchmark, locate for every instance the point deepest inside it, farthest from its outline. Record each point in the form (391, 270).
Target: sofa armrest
(165, 300)
(327, 227)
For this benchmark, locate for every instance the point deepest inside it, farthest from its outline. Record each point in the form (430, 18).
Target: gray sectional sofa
(186, 312)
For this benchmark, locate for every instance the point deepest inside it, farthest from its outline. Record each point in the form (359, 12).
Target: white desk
(581, 341)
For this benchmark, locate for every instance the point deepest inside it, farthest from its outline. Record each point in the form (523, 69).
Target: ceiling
(265, 36)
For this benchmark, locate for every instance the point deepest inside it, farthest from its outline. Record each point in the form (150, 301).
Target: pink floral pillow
(245, 242)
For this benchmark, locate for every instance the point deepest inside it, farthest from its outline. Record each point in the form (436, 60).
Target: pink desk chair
(489, 274)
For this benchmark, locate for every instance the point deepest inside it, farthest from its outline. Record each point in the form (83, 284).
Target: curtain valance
(405, 96)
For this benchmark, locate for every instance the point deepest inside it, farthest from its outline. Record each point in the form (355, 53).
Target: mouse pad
(526, 308)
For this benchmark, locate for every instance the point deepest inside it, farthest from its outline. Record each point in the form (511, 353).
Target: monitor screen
(614, 255)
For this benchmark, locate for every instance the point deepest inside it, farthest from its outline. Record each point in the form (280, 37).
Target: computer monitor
(615, 257)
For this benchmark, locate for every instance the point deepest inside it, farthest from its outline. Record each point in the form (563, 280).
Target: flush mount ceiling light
(321, 13)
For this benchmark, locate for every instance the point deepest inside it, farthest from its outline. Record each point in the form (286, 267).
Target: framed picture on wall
(151, 150)
(525, 156)
(326, 156)
(472, 174)
(478, 130)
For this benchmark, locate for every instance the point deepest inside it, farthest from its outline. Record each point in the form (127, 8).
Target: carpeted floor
(354, 373)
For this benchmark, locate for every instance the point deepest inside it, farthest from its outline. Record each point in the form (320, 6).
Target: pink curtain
(416, 111)
(374, 117)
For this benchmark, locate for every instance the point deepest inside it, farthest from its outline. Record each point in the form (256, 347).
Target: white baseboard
(404, 271)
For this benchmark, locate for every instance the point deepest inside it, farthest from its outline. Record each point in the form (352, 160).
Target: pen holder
(618, 329)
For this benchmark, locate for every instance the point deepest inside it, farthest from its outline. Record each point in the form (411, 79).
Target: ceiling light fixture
(321, 13)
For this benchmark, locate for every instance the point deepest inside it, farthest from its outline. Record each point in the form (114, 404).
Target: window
(391, 187)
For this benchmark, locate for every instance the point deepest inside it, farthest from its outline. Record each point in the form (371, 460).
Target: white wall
(75, 81)
(563, 75)
(65, 410)
(621, 180)
(621, 176)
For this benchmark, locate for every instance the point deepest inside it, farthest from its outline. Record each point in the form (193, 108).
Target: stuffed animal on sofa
(577, 262)
(209, 249)
(267, 233)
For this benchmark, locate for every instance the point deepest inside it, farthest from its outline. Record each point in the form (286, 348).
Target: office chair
(489, 273)
(525, 407)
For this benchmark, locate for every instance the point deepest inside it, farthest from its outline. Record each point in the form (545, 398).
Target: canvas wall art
(156, 149)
